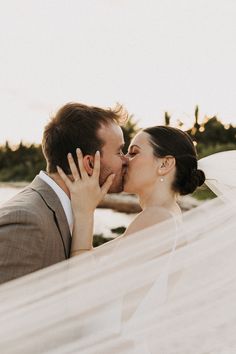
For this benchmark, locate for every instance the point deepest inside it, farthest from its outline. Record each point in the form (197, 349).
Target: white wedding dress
(169, 289)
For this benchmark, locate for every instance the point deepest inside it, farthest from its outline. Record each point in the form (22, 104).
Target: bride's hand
(85, 191)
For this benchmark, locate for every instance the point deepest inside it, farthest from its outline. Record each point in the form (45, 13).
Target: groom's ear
(167, 164)
(88, 164)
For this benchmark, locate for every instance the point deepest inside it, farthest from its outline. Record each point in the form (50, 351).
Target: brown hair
(172, 141)
(76, 125)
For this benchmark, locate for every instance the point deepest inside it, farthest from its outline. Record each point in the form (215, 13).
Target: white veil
(167, 289)
(220, 170)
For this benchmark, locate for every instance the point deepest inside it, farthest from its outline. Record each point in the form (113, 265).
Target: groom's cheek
(105, 171)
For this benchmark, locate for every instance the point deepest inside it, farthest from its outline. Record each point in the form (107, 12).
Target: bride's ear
(167, 164)
(88, 164)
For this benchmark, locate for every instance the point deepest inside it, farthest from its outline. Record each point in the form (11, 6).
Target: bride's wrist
(82, 213)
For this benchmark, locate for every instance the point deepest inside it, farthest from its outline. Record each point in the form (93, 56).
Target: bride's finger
(83, 172)
(73, 167)
(105, 187)
(96, 169)
(64, 177)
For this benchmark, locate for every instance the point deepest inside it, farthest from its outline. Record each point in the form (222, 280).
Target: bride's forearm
(82, 235)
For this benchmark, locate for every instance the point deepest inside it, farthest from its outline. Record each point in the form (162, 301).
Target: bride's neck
(158, 196)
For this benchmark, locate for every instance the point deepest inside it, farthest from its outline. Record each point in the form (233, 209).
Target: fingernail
(97, 152)
(78, 150)
(59, 168)
(69, 155)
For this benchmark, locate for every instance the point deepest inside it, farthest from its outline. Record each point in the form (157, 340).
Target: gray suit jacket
(34, 231)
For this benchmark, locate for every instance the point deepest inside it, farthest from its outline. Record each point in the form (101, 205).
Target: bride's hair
(172, 141)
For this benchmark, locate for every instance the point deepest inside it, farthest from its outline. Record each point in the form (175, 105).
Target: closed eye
(132, 154)
(120, 153)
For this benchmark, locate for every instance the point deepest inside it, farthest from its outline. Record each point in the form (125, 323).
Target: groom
(36, 225)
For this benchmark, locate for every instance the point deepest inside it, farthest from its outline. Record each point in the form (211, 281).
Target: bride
(162, 165)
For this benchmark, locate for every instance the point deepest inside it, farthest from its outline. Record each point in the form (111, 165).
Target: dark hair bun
(188, 184)
(201, 177)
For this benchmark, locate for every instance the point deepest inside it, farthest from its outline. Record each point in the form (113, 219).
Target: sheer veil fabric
(168, 289)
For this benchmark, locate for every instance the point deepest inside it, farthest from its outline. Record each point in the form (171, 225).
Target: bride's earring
(162, 179)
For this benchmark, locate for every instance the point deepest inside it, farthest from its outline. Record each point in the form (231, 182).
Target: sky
(150, 55)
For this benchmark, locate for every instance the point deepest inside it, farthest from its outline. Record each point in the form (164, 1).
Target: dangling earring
(162, 179)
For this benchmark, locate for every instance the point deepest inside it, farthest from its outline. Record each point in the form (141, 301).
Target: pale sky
(150, 55)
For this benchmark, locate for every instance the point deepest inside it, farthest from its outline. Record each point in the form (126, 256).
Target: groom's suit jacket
(34, 232)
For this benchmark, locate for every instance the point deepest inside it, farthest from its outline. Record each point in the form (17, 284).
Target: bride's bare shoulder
(147, 218)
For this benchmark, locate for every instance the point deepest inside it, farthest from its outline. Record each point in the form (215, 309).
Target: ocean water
(104, 219)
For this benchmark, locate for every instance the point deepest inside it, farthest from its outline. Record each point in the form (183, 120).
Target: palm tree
(167, 119)
(129, 130)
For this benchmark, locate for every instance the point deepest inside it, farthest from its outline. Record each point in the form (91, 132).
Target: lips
(125, 177)
(124, 172)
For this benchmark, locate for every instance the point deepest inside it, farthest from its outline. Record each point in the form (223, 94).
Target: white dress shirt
(64, 199)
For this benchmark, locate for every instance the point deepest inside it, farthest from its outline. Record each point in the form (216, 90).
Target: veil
(168, 289)
(220, 170)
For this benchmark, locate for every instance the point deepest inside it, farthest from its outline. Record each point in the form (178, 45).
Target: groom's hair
(76, 125)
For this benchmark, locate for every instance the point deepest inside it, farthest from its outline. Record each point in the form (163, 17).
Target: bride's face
(143, 165)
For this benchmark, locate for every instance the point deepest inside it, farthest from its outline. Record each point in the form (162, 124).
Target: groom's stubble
(118, 184)
(112, 157)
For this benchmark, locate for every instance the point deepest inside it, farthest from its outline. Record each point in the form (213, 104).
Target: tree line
(20, 163)
(23, 162)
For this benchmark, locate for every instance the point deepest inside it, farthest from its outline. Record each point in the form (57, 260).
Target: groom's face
(112, 157)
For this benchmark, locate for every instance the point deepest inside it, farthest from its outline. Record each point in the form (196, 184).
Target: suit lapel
(53, 202)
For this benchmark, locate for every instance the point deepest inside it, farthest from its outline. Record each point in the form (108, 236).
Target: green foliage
(21, 164)
(212, 132)
(167, 118)
(206, 150)
(203, 193)
(196, 115)
(118, 230)
(212, 136)
(98, 240)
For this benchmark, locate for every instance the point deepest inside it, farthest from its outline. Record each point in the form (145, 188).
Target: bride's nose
(127, 156)
(125, 159)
